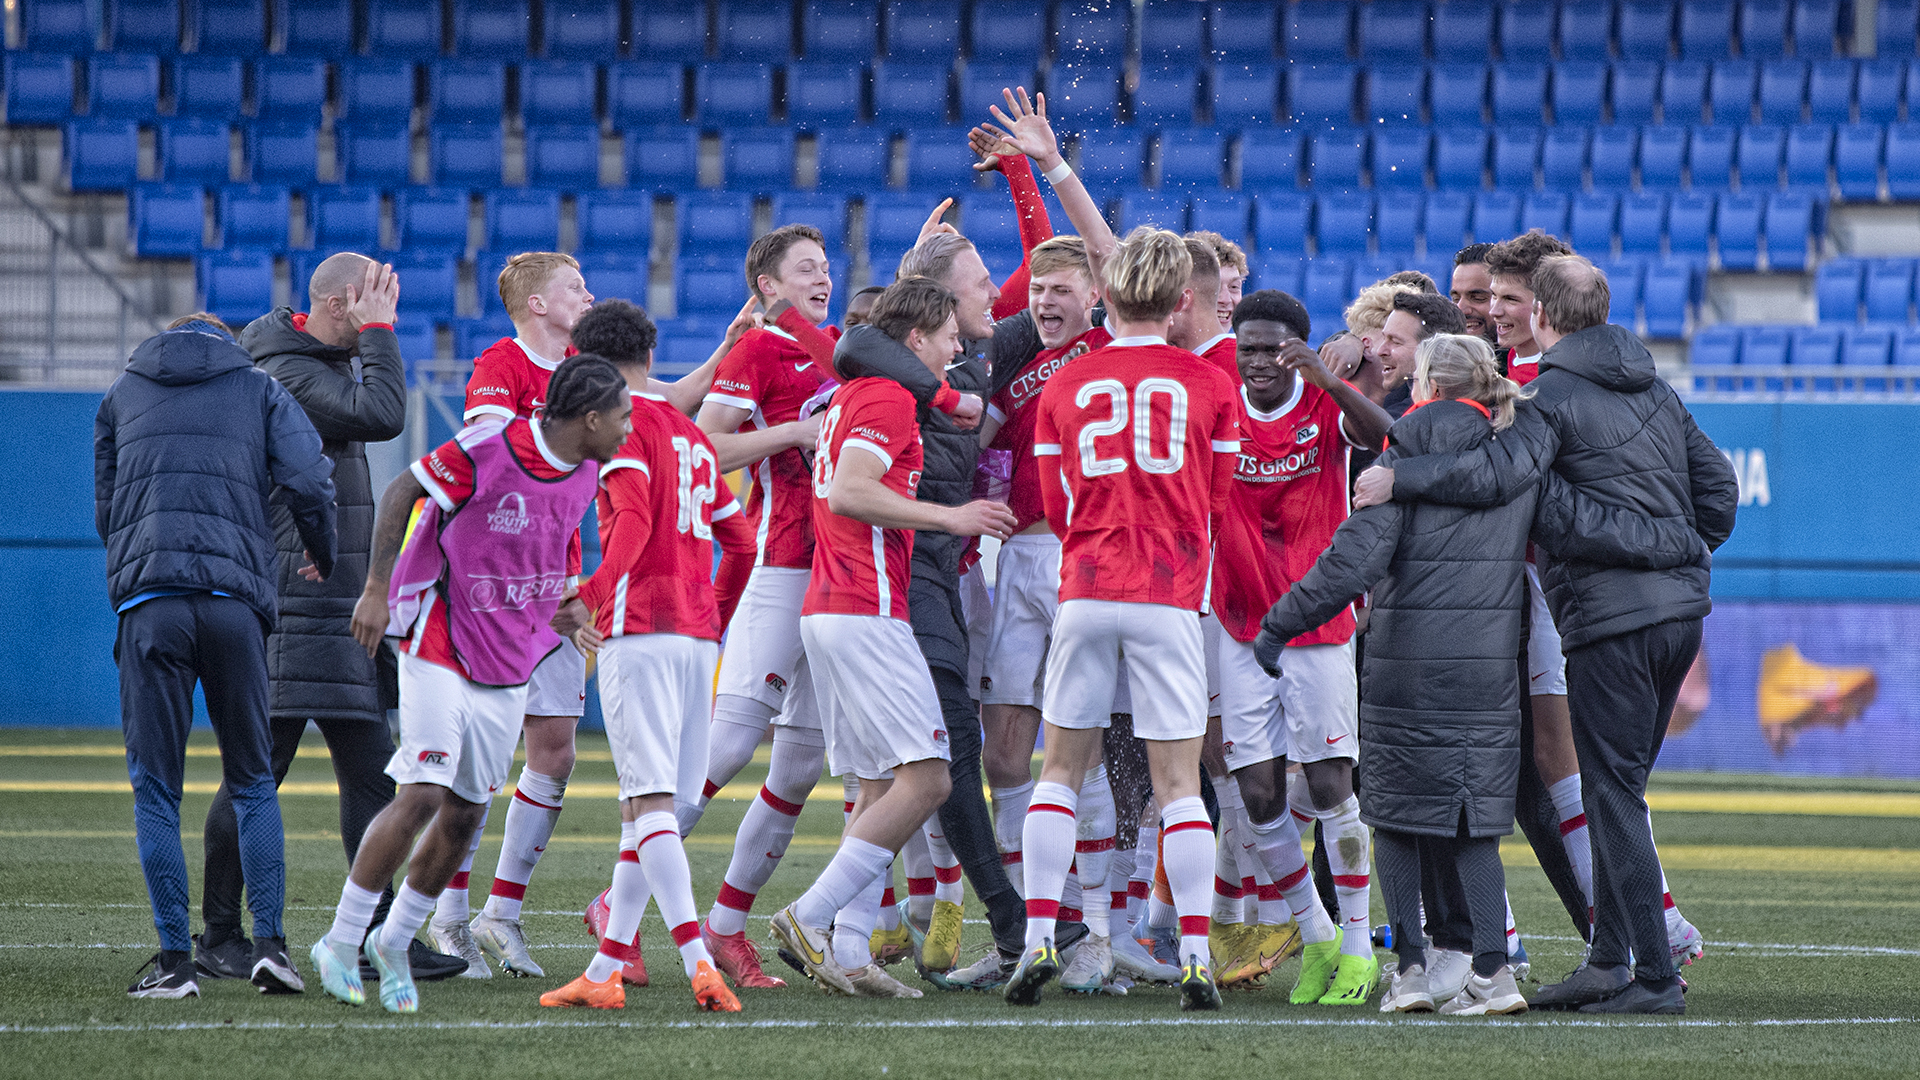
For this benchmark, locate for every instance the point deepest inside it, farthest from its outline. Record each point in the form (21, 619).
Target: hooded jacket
(316, 669)
(1602, 420)
(189, 445)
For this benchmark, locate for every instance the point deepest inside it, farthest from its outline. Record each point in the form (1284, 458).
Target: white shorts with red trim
(558, 686)
(1310, 713)
(656, 692)
(976, 607)
(1026, 588)
(1161, 649)
(1546, 664)
(763, 658)
(877, 702)
(456, 734)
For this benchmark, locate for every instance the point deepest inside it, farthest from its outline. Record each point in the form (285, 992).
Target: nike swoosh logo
(812, 956)
(1335, 739)
(803, 367)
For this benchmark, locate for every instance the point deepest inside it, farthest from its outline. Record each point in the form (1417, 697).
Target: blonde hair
(1461, 366)
(1146, 274)
(1369, 311)
(1225, 252)
(525, 275)
(1057, 254)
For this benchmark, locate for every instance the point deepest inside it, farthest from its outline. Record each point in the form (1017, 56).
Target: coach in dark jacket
(189, 446)
(1604, 422)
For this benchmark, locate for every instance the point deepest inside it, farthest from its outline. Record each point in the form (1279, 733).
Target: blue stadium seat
(1623, 288)
(563, 156)
(1889, 291)
(1462, 27)
(1244, 95)
(1280, 222)
(1395, 93)
(1856, 160)
(1173, 32)
(1716, 346)
(295, 88)
(1667, 294)
(1683, 92)
(1710, 157)
(1457, 94)
(1343, 222)
(1337, 158)
(1320, 93)
(39, 88)
(1192, 158)
(1496, 215)
(1516, 153)
(59, 26)
(587, 29)
(1223, 212)
(1400, 158)
(1903, 161)
(1167, 94)
(1008, 32)
(466, 91)
(373, 90)
(757, 30)
(285, 153)
(1763, 27)
(1546, 211)
(1645, 29)
(1790, 220)
(1579, 87)
(645, 93)
(828, 213)
(1563, 161)
(1766, 346)
(908, 95)
(433, 219)
(1394, 30)
(1397, 218)
(168, 219)
(432, 283)
(253, 216)
(757, 159)
(610, 274)
(379, 154)
(1090, 30)
(492, 28)
(123, 85)
(1275, 270)
(1906, 348)
(1112, 161)
(464, 155)
(980, 87)
(1817, 347)
(1154, 208)
(852, 159)
(1783, 91)
(1809, 155)
(1316, 30)
(1526, 31)
(1730, 89)
(1837, 288)
(893, 223)
(522, 220)
(236, 285)
(1815, 22)
(1830, 91)
(343, 219)
(1447, 218)
(1737, 230)
(1586, 30)
(1643, 221)
(670, 30)
(1243, 31)
(1894, 27)
(562, 92)
(1615, 151)
(1762, 149)
(1690, 223)
(1084, 94)
(1867, 346)
(1594, 216)
(194, 151)
(1880, 85)
(150, 26)
(708, 287)
(404, 28)
(1706, 29)
(1270, 159)
(1460, 158)
(315, 27)
(715, 223)
(732, 94)
(208, 86)
(416, 339)
(1631, 91)
(923, 31)
(938, 159)
(824, 95)
(619, 221)
(1519, 94)
(1325, 288)
(663, 159)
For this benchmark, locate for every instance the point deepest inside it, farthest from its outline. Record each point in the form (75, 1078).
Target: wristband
(946, 399)
(1058, 173)
(364, 327)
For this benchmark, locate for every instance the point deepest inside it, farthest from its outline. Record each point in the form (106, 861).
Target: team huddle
(1222, 644)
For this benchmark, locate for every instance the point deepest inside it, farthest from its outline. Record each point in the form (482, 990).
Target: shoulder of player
(761, 344)
(874, 391)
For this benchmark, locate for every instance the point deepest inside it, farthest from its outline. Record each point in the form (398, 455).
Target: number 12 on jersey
(696, 490)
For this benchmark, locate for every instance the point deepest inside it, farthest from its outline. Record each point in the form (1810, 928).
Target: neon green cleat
(1354, 982)
(941, 950)
(1317, 963)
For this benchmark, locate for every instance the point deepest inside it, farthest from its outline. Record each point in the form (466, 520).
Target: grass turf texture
(1825, 982)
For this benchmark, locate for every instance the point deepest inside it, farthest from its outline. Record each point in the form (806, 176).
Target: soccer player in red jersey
(876, 696)
(1289, 496)
(1200, 329)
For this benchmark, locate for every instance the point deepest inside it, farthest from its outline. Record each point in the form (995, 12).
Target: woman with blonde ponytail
(1461, 367)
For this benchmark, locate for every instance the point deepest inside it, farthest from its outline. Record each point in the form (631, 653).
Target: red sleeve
(1052, 459)
(818, 343)
(881, 421)
(739, 378)
(494, 388)
(447, 474)
(629, 492)
(730, 580)
(1226, 449)
(1031, 211)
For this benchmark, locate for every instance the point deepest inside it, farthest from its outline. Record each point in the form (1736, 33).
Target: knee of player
(1329, 782)
(1263, 798)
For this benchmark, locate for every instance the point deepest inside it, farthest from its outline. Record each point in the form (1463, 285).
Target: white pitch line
(1774, 948)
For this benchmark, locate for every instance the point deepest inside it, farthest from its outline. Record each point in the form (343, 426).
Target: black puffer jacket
(317, 670)
(189, 445)
(1602, 420)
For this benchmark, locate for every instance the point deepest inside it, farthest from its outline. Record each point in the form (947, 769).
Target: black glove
(1266, 650)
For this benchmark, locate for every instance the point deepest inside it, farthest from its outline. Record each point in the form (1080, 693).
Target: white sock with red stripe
(1349, 856)
(1048, 842)
(1513, 930)
(1278, 843)
(1228, 893)
(764, 834)
(946, 866)
(531, 816)
(1009, 829)
(916, 857)
(1573, 833)
(1093, 848)
(1672, 910)
(1119, 871)
(664, 862)
(1146, 855)
(1251, 872)
(854, 867)
(452, 906)
(1188, 845)
(853, 925)
(627, 900)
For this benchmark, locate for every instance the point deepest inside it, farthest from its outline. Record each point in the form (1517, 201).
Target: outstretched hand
(747, 319)
(310, 571)
(993, 147)
(1027, 128)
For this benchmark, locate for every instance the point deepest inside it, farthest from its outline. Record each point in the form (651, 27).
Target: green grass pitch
(1812, 966)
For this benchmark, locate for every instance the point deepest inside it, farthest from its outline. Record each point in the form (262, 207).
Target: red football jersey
(1523, 371)
(1140, 439)
(1013, 407)
(770, 375)
(861, 569)
(1289, 495)
(1220, 351)
(658, 500)
(509, 380)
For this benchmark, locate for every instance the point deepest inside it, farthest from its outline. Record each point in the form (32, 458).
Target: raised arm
(1571, 525)
(1027, 128)
(303, 476)
(375, 408)
(687, 392)
(1364, 422)
(999, 155)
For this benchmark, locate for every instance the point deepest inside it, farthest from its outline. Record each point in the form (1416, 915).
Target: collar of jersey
(538, 360)
(546, 452)
(1216, 339)
(1285, 407)
(652, 397)
(1134, 342)
(772, 329)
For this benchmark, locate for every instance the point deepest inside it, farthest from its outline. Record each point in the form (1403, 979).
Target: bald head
(334, 275)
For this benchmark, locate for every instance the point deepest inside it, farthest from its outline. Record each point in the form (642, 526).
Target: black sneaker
(231, 958)
(166, 980)
(273, 972)
(1587, 985)
(1642, 1000)
(426, 964)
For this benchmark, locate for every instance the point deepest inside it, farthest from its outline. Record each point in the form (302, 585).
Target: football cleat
(397, 992)
(1092, 966)
(1353, 981)
(941, 950)
(1685, 943)
(597, 914)
(451, 936)
(1131, 960)
(814, 949)
(710, 990)
(338, 977)
(585, 993)
(739, 958)
(1267, 947)
(1495, 995)
(503, 940)
(989, 972)
(1228, 942)
(891, 946)
(1197, 990)
(872, 982)
(1163, 942)
(1317, 964)
(1036, 966)
(1407, 992)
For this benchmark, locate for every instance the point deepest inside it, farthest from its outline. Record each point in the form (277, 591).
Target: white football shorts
(453, 732)
(656, 692)
(1546, 664)
(1162, 650)
(1310, 713)
(976, 606)
(1026, 589)
(558, 686)
(763, 658)
(877, 702)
